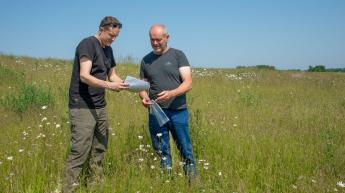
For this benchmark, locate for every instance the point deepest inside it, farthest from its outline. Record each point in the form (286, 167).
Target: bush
(28, 95)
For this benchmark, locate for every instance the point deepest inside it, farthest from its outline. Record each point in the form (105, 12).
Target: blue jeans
(179, 129)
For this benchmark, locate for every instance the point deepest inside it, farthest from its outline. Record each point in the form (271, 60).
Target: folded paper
(136, 85)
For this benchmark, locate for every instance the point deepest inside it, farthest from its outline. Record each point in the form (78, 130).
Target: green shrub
(28, 95)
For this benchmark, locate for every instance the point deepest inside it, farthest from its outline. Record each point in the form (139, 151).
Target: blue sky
(290, 34)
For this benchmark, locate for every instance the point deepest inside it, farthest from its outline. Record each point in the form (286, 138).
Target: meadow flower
(113, 134)
(235, 125)
(21, 150)
(341, 184)
(57, 126)
(140, 137)
(141, 159)
(294, 186)
(44, 107)
(40, 135)
(141, 147)
(44, 119)
(75, 184)
(0, 163)
(10, 158)
(152, 167)
(313, 181)
(205, 167)
(164, 158)
(206, 164)
(219, 173)
(159, 134)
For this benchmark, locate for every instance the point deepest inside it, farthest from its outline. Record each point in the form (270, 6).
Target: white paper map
(136, 85)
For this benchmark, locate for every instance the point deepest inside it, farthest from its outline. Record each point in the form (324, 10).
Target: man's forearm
(93, 81)
(143, 94)
(183, 88)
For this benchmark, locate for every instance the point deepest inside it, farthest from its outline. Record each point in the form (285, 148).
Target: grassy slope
(267, 131)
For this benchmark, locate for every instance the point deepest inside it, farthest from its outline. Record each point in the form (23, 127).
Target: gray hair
(164, 28)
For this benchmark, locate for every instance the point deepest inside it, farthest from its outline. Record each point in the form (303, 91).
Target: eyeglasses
(119, 25)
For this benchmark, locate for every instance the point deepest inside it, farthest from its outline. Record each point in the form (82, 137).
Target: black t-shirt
(162, 72)
(82, 95)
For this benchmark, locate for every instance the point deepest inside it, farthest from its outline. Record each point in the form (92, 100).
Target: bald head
(158, 29)
(159, 38)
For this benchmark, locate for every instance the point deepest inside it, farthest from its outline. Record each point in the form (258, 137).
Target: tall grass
(252, 131)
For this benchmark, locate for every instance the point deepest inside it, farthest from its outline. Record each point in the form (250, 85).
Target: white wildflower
(140, 137)
(21, 150)
(294, 186)
(57, 126)
(44, 119)
(75, 184)
(44, 107)
(10, 158)
(152, 167)
(141, 159)
(219, 173)
(164, 158)
(341, 184)
(159, 134)
(141, 147)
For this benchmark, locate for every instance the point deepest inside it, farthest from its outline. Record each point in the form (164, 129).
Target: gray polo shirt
(162, 72)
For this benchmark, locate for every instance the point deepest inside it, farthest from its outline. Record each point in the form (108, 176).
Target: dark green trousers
(89, 140)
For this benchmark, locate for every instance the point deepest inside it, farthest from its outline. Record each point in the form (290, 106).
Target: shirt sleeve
(86, 49)
(142, 72)
(182, 59)
(112, 59)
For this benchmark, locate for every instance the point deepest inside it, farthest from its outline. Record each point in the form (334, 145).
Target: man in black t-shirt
(169, 74)
(93, 72)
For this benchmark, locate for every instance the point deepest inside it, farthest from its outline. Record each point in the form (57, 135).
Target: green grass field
(252, 131)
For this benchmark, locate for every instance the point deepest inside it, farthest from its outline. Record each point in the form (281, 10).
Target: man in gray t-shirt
(169, 74)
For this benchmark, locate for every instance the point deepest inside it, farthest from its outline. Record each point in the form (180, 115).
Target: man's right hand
(146, 102)
(117, 86)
